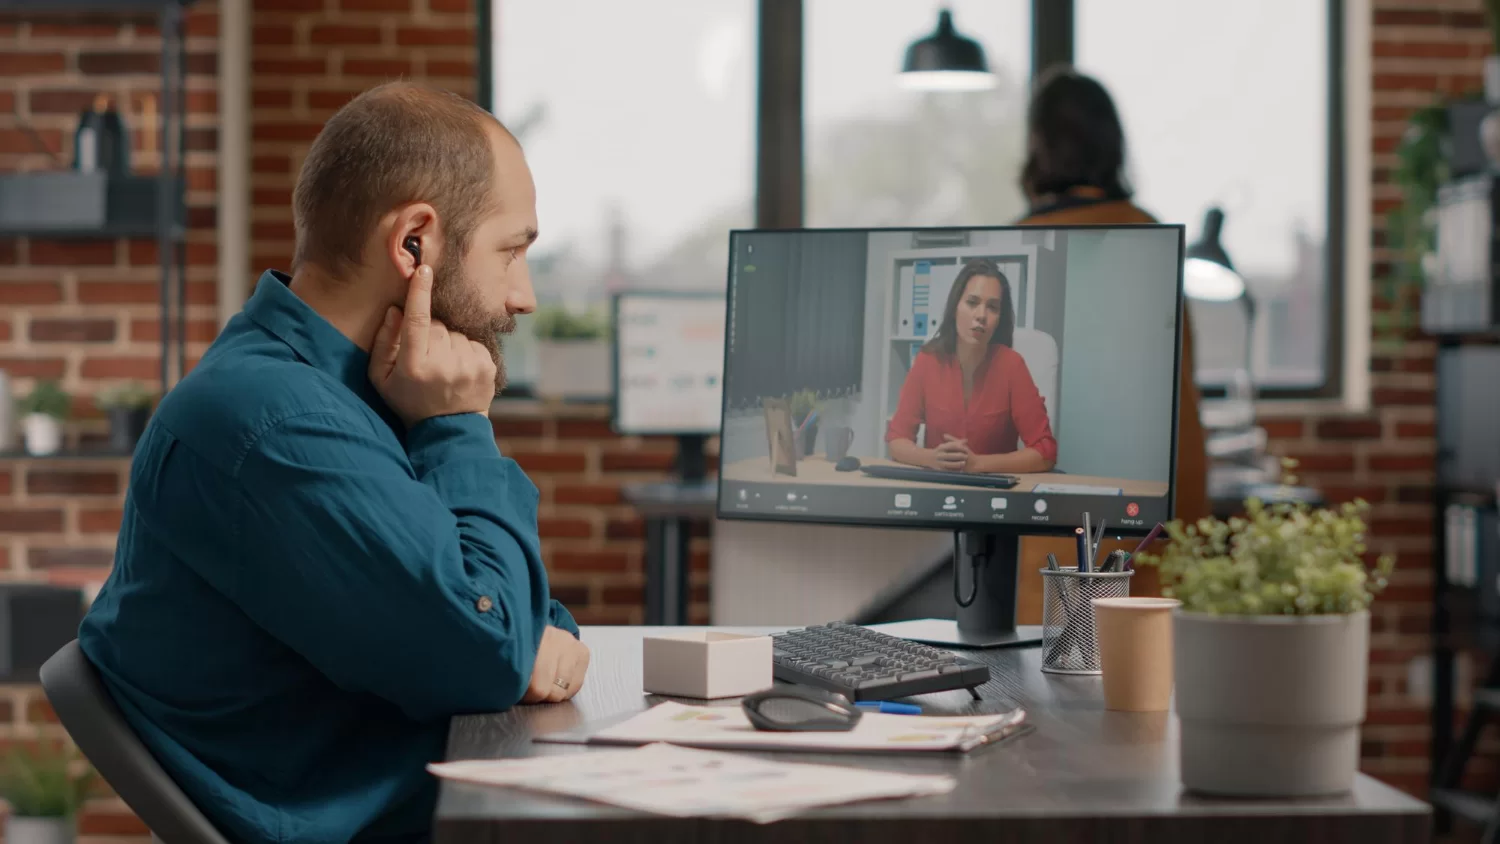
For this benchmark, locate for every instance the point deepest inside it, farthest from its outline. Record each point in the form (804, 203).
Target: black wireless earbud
(414, 246)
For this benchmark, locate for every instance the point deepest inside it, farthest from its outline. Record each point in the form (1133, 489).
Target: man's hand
(561, 663)
(953, 455)
(421, 368)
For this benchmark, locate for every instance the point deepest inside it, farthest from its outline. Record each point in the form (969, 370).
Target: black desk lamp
(1209, 276)
(945, 61)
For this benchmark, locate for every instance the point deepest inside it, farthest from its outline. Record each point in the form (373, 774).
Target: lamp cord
(974, 565)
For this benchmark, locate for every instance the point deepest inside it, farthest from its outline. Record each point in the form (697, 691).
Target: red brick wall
(592, 539)
(84, 311)
(309, 58)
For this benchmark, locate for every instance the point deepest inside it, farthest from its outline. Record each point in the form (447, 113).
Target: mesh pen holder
(1069, 645)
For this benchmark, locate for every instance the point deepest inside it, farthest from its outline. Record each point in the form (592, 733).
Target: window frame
(780, 162)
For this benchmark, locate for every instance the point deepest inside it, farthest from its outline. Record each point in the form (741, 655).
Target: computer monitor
(992, 381)
(669, 369)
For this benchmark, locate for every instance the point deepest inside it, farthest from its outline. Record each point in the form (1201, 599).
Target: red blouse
(1005, 405)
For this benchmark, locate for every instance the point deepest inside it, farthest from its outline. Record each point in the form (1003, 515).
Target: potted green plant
(42, 416)
(1421, 169)
(804, 405)
(1271, 646)
(128, 407)
(45, 787)
(572, 353)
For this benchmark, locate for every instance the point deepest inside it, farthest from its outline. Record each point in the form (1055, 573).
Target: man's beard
(456, 304)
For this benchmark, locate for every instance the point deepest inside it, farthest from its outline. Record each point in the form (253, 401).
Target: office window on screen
(878, 155)
(1232, 104)
(639, 128)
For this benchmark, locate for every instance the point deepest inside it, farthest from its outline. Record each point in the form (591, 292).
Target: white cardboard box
(706, 664)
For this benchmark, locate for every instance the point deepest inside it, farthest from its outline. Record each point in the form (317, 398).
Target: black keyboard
(861, 664)
(938, 476)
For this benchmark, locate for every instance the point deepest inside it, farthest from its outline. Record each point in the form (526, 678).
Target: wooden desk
(1084, 775)
(818, 470)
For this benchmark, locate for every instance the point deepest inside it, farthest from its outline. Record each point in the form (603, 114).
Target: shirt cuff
(443, 439)
(562, 619)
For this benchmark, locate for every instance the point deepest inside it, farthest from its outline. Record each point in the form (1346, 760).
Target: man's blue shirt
(304, 592)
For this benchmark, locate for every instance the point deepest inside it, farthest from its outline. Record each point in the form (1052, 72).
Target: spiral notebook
(727, 728)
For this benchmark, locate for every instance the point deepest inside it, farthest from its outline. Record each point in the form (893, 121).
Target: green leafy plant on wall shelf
(45, 781)
(130, 395)
(48, 399)
(1281, 559)
(1421, 168)
(555, 322)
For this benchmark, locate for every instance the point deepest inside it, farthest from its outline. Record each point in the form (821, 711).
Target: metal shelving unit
(1461, 311)
(165, 200)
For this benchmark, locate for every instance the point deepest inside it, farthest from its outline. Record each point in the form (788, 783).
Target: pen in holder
(1069, 645)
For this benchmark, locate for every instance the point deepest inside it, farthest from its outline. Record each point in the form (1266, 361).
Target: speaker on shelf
(35, 621)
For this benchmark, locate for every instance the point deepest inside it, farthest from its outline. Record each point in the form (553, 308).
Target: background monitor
(844, 367)
(668, 362)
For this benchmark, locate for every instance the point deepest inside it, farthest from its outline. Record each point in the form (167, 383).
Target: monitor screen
(1010, 378)
(669, 362)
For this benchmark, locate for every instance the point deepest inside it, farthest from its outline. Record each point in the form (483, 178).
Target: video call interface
(998, 376)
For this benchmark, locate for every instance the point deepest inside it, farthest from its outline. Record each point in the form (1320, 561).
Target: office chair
(1039, 350)
(91, 717)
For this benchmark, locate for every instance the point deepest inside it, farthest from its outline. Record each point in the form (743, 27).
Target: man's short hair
(398, 143)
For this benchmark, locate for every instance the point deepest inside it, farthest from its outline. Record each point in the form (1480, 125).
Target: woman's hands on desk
(954, 455)
(561, 663)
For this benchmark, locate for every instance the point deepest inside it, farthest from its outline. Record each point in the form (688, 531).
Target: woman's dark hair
(1074, 138)
(945, 342)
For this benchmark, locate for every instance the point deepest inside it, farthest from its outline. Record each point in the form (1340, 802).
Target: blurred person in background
(1074, 174)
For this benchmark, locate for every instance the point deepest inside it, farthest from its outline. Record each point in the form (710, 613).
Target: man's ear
(412, 238)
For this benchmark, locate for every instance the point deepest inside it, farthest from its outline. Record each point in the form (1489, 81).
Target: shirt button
(484, 604)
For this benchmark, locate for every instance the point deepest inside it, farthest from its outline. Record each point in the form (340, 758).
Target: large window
(641, 130)
(638, 124)
(1229, 104)
(881, 156)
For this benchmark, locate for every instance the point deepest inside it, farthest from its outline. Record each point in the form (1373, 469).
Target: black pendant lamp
(945, 61)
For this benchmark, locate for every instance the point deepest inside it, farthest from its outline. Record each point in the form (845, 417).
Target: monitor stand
(989, 621)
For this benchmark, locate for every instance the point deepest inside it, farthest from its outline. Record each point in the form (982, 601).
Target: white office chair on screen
(1039, 350)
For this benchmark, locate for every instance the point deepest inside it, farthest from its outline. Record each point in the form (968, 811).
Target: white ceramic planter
(1270, 706)
(38, 830)
(43, 433)
(573, 369)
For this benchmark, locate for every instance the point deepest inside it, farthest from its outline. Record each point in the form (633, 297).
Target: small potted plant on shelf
(42, 416)
(128, 407)
(1271, 646)
(572, 353)
(45, 787)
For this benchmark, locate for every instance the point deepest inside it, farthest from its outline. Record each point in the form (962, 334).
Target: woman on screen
(982, 410)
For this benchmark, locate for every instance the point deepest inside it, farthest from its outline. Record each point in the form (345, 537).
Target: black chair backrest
(90, 716)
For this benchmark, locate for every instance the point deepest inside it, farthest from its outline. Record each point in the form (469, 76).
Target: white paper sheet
(684, 782)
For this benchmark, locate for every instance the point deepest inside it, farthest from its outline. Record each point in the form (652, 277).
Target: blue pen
(890, 708)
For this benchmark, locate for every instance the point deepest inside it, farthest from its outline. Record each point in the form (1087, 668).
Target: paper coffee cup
(1134, 636)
